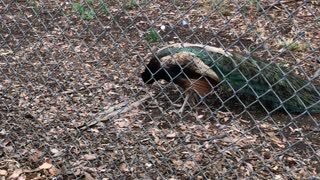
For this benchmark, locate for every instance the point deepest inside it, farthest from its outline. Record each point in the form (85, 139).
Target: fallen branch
(279, 3)
(117, 109)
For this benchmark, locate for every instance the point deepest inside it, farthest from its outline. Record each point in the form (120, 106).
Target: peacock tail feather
(270, 83)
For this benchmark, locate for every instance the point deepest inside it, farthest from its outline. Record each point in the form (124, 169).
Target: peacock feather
(268, 82)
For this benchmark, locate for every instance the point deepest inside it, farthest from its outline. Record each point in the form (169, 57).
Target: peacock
(201, 69)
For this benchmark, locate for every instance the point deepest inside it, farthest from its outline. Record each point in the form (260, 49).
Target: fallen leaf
(249, 169)
(200, 116)
(124, 168)
(291, 159)
(90, 157)
(278, 177)
(55, 152)
(16, 173)
(276, 140)
(3, 172)
(54, 171)
(148, 165)
(5, 52)
(183, 127)
(189, 165)
(156, 139)
(198, 156)
(172, 179)
(122, 124)
(172, 135)
(35, 155)
(177, 162)
(87, 176)
(77, 172)
(229, 140)
(45, 166)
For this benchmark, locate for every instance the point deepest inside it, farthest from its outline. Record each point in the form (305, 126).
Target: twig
(71, 91)
(274, 5)
(215, 137)
(117, 109)
(9, 161)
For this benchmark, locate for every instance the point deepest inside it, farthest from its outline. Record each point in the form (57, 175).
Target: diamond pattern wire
(73, 104)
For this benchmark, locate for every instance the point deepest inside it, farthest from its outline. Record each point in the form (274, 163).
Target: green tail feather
(269, 81)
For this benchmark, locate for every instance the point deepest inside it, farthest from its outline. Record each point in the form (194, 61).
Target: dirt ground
(73, 105)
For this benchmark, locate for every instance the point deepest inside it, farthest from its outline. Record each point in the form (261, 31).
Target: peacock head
(151, 72)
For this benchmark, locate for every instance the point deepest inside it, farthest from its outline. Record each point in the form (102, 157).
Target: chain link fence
(73, 105)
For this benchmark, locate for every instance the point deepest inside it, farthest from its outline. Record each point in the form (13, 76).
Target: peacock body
(274, 86)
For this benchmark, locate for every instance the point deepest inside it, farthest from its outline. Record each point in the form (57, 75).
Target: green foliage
(85, 12)
(152, 36)
(131, 4)
(254, 1)
(292, 45)
(104, 7)
(177, 2)
(220, 6)
(257, 3)
(90, 2)
(33, 4)
(248, 7)
(298, 47)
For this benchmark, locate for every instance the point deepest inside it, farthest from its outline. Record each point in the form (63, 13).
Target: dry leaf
(172, 179)
(249, 169)
(291, 159)
(275, 168)
(198, 156)
(276, 140)
(90, 157)
(228, 139)
(55, 152)
(121, 124)
(176, 162)
(278, 177)
(77, 172)
(16, 173)
(200, 116)
(148, 165)
(45, 166)
(4, 52)
(87, 176)
(3, 172)
(189, 164)
(124, 168)
(35, 155)
(54, 171)
(156, 139)
(172, 135)
(183, 127)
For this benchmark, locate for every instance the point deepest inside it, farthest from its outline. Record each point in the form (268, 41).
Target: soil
(60, 71)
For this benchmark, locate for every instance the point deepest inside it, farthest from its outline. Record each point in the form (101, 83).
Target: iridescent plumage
(199, 68)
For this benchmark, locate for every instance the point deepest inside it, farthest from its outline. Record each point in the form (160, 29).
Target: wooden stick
(117, 109)
(273, 5)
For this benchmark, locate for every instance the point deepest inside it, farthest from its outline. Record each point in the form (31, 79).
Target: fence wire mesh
(73, 105)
